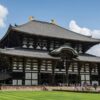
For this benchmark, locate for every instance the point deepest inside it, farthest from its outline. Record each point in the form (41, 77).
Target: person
(75, 87)
(44, 88)
(95, 86)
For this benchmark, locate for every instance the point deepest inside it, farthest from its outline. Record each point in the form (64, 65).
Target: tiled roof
(88, 58)
(47, 29)
(26, 53)
(45, 55)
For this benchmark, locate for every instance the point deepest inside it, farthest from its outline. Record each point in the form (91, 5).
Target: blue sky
(85, 12)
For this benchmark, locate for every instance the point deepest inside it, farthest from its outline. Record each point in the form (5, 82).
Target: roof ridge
(45, 22)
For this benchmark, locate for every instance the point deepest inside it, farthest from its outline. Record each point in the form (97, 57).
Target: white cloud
(95, 50)
(3, 15)
(96, 34)
(73, 26)
(76, 28)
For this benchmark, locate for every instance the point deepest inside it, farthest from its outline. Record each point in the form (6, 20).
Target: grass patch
(45, 95)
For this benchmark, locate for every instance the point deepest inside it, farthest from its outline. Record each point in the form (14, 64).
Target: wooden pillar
(99, 73)
(90, 72)
(10, 64)
(79, 69)
(35, 43)
(31, 70)
(24, 63)
(39, 74)
(48, 45)
(10, 69)
(67, 67)
(53, 72)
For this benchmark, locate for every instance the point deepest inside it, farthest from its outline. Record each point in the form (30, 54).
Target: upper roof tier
(51, 30)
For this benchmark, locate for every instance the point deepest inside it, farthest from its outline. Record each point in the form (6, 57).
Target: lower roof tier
(45, 55)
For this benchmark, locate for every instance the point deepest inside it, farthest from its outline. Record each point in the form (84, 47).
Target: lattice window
(49, 65)
(70, 67)
(34, 64)
(87, 67)
(38, 44)
(17, 82)
(24, 43)
(17, 64)
(14, 82)
(31, 43)
(20, 65)
(28, 64)
(69, 44)
(94, 68)
(80, 48)
(31, 78)
(57, 44)
(52, 45)
(43, 65)
(34, 76)
(85, 77)
(44, 45)
(76, 48)
(14, 63)
(73, 67)
(34, 82)
(27, 82)
(28, 76)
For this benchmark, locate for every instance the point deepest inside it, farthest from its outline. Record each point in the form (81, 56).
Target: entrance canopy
(64, 50)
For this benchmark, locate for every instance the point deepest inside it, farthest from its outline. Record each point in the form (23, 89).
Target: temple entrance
(66, 53)
(46, 79)
(60, 79)
(73, 79)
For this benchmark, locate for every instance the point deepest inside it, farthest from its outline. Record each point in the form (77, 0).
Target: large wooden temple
(38, 53)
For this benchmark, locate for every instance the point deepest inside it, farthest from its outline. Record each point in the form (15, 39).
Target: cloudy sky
(81, 16)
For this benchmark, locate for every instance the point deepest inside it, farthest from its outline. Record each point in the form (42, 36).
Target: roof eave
(8, 31)
(94, 41)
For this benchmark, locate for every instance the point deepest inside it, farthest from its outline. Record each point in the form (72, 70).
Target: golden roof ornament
(31, 18)
(53, 21)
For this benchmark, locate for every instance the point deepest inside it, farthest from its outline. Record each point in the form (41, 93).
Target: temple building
(38, 53)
